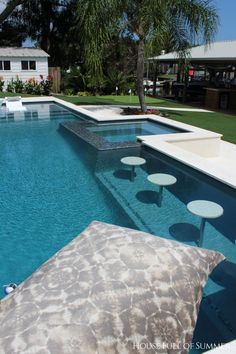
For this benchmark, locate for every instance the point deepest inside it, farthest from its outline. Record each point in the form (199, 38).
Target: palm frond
(97, 21)
(199, 18)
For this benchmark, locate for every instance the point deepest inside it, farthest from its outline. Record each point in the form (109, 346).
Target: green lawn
(167, 76)
(217, 122)
(118, 100)
(9, 94)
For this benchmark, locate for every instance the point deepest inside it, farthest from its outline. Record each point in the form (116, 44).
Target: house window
(28, 65)
(5, 65)
(32, 65)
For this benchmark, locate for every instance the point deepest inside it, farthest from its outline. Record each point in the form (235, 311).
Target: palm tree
(186, 21)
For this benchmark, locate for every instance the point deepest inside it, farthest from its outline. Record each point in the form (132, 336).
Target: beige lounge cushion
(111, 290)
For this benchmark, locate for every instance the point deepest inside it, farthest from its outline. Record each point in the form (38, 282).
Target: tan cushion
(111, 290)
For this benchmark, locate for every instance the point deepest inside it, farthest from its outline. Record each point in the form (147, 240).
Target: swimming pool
(54, 184)
(47, 187)
(119, 132)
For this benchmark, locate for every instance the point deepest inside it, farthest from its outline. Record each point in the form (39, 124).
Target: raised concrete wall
(206, 147)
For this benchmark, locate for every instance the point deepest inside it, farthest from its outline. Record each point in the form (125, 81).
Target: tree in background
(11, 5)
(106, 37)
(12, 34)
(51, 25)
(119, 63)
(141, 20)
(118, 66)
(48, 23)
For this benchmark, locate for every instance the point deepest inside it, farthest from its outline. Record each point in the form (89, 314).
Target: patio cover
(217, 52)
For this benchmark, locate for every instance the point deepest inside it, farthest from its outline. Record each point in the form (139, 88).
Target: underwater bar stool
(162, 180)
(206, 210)
(133, 161)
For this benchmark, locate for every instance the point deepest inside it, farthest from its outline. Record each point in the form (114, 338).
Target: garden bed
(136, 111)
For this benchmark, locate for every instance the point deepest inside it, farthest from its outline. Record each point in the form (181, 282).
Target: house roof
(22, 52)
(216, 51)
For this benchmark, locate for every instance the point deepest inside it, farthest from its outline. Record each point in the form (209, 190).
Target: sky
(227, 14)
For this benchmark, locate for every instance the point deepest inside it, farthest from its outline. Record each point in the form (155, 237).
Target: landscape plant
(142, 20)
(11, 86)
(1, 83)
(73, 80)
(46, 84)
(31, 86)
(18, 85)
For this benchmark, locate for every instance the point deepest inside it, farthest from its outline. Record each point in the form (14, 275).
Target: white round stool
(133, 161)
(162, 180)
(206, 210)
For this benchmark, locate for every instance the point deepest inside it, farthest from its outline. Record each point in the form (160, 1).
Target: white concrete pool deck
(104, 109)
(199, 148)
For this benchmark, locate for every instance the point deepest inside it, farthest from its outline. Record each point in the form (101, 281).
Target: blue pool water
(48, 193)
(119, 132)
(53, 185)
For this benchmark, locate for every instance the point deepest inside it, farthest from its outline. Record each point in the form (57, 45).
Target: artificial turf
(119, 100)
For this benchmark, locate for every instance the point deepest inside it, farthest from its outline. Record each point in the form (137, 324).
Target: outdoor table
(162, 180)
(206, 210)
(133, 161)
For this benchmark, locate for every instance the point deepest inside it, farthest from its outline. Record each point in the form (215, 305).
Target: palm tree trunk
(140, 73)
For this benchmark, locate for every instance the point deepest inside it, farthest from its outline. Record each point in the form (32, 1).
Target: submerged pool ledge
(80, 130)
(199, 148)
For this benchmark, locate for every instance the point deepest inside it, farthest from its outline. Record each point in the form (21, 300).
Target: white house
(24, 63)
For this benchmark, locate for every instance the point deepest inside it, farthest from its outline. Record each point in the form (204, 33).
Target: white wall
(41, 69)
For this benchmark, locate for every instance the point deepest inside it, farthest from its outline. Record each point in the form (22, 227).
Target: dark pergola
(217, 64)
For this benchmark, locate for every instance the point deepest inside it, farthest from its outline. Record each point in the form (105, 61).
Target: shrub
(83, 93)
(73, 80)
(115, 78)
(137, 111)
(31, 86)
(18, 85)
(38, 89)
(46, 85)
(11, 86)
(15, 86)
(69, 92)
(1, 83)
